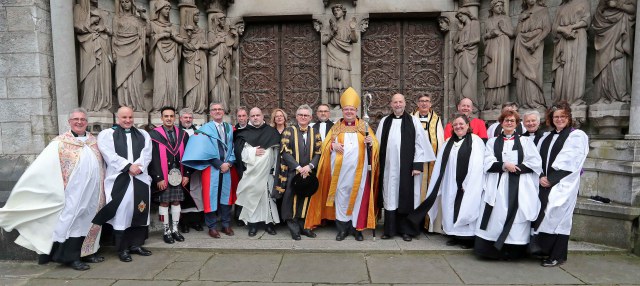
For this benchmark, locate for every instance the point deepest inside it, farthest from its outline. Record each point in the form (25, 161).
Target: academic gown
(510, 200)
(207, 150)
(164, 153)
(469, 204)
(133, 209)
(392, 185)
(323, 128)
(56, 198)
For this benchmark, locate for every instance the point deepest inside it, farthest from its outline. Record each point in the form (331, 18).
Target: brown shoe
(214, 233)
(228, 231)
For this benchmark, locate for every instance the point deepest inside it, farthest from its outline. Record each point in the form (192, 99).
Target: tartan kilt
(171, 194)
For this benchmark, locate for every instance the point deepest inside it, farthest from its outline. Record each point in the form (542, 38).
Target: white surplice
(496, 192)
(351, 151)
(115, 163)
(423, 153)
(254, 189)
(40, 207)
(472, 184)
(563, 196)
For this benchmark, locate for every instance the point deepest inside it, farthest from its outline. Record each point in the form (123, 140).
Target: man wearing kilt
(167, 172)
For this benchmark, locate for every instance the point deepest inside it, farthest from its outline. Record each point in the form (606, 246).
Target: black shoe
(384, 236)
(358, 235)
(270, 229)
(197, 227)
(253, 230)
(43, 259)
(452, 242)
(295, 236)
(177, 236)
(167, 238)
(79, 265)
(240, 223)
(308, 233)
(124, 256)
(139, 250)
(466, 245)
(552, 262)
(92, 259)
(406, 237)
(341, 236)
(184, 228)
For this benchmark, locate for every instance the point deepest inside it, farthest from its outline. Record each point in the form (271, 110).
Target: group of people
(505, 192)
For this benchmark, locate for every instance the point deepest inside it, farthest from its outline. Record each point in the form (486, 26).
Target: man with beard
(257, 145)
(404, 149)
(191, 207)
(169, 176)
(300, 154)
(127, 151)
(52, 204)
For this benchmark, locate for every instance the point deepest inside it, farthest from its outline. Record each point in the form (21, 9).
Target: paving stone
(70, 282)
(146, 283)
(13, 270)
(233, 267)
(142, 267)
(474, 271)
(269, 284)
(604, 269)
(193, 256)
(385, 268)
(61, 272)
(204, 283)
(13, 281)
(323, 267)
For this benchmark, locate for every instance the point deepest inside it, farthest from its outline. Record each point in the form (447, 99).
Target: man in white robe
(512, 166)
(404, 148)
(53, 203)
(347, 189)
(127, 152)
(259, 146)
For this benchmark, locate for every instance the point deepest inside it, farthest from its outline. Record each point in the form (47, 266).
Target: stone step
(325, 242)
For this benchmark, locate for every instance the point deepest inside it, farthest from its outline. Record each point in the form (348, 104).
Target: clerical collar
(127, 130)
(508, 137)
(457, 138)
(353, 123)
(397, 117)
(77, 135)
(190, 127)
(424, 116)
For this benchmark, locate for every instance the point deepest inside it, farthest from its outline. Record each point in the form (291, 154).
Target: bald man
(404, 148)
(127, 151)
(465, 106)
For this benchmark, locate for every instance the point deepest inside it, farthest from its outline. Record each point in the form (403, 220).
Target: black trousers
(556, 246)
(132, 236)
(67, 251)
(396, 223)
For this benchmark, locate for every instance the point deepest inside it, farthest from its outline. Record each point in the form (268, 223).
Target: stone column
(634, 115)
(64, 60)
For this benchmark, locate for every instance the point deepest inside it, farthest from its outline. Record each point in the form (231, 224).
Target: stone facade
(36, 92)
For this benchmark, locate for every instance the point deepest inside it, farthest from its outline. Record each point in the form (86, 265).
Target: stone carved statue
(129, 31)
(194, 66)
(164, 57)
(466, 57)
(222, 41)
(444, 24)
(613, 28)
(339, 42)
(570, 50)
(95, 55)
(497, 36)
(533, 26)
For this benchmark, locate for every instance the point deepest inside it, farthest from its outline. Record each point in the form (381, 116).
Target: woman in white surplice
(457, 182)
(510, 202)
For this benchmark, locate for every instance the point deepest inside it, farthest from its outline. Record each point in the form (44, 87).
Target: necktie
(221, 133)
(172, 138)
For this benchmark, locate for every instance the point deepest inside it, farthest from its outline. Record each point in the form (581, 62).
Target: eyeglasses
(560, 117)
(509, 121)
(424, 101)
(78, 119)
(303, 115)
(323, 111)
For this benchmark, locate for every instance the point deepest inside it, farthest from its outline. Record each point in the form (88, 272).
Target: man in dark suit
(324, 124)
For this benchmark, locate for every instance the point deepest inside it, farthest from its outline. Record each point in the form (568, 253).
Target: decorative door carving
(402, 57)
(280, 66)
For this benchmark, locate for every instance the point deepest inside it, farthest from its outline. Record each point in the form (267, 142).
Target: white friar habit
(254, 189)
(127, 196)
(457, 180)
(404, 147)
(510, 200)
(563, 154)
(56, 198)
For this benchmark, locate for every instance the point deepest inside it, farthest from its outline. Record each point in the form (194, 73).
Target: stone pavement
(277, 260)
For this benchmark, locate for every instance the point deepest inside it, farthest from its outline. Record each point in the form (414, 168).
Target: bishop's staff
(366, 103)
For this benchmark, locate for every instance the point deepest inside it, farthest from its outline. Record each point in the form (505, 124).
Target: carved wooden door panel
(402, 57)
(280, 66)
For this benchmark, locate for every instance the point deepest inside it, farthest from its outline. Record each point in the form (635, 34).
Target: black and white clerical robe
(510, 200)
(128, 197)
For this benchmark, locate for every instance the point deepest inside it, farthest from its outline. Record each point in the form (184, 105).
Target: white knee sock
(175, 217)
(163, 213)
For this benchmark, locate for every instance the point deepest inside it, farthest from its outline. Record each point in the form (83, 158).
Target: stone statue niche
(339, 41)
(497, 36)
(94, 39)
(164, 56)
(613, 26)
(570, 51)
(194, 66)
(533, 27)
(223, 41)
(466, 55)
(129, 32)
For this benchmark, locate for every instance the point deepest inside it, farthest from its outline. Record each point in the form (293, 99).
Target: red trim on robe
(206, 189)
(364, 204)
